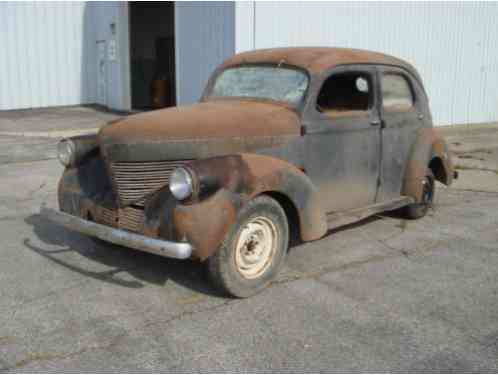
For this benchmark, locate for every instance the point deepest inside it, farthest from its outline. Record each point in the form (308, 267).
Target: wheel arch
(292, 188)
(290, 210)
(436, 165)
(237, 179)
(428, 151)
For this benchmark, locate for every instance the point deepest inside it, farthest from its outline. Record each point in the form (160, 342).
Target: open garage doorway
(152, 54)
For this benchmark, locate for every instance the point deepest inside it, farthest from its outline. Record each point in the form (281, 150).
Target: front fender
(428, 151)
(227, 183)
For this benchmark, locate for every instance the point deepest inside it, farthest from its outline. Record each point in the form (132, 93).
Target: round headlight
(66, 152)
(181, 184)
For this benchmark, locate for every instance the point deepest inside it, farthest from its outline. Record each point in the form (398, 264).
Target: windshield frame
(207, 95)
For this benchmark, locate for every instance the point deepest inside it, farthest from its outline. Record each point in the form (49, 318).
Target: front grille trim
(133, 181)
(129, 218)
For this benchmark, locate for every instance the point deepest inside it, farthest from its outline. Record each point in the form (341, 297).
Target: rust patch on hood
(210, 120)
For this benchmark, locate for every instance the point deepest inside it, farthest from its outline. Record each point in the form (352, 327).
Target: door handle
(375, 122)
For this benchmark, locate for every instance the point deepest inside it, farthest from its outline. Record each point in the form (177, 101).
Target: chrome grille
(106, 216)
(129, 218)
(134, 180)
(132, 219)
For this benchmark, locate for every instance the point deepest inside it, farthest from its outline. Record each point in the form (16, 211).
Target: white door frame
(124, 54)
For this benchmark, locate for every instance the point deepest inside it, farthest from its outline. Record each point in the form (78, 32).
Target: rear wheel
(419, 209)
(253, 251)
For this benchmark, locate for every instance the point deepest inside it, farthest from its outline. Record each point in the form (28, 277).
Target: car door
(342, 137)
(402, 115)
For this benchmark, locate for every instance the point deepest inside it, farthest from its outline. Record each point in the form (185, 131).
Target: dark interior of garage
(152, 54)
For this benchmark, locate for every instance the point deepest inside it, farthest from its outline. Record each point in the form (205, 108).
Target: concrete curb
(52, 133)
(461, 150)
(473, 164)
(456, 129)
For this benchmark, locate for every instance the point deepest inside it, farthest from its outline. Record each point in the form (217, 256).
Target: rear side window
(396, 93)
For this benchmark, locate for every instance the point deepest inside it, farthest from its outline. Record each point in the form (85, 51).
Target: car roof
(317, 59)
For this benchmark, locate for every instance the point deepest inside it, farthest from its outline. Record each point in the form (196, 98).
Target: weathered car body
(324, 169)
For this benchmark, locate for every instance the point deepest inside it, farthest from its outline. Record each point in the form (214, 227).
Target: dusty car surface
(289, 139)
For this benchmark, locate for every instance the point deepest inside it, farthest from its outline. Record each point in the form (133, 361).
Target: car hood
(199, 130)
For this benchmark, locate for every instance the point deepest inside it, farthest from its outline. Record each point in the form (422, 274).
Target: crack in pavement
(187, 313)
(153, 323)
(36, 357)
(385, 309)
(355, 264)
(16, 308)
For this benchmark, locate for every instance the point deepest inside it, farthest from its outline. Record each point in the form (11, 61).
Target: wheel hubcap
(255, 247)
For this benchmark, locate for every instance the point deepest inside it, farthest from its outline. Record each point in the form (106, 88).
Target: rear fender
(428, 151)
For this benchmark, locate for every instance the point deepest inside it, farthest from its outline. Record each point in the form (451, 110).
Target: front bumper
(179, 250)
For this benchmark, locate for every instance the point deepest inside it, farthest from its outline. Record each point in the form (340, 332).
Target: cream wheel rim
(255, 247)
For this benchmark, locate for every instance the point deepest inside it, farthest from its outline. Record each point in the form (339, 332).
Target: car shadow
(143, 268)
(396, 217)
(295, 240)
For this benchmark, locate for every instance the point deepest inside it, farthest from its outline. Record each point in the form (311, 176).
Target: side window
(396, 93)
(344, 93)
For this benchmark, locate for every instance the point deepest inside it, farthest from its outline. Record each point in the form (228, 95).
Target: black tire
(224, 266)
(419, 209)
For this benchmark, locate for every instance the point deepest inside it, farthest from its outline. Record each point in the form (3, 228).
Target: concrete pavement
(31, 135)
(382, 295)
(54, 122)
(475, 153)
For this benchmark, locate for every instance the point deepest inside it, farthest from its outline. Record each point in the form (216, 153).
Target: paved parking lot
(382, 295)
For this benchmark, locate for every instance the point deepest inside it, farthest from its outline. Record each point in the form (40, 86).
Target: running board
(339, 219)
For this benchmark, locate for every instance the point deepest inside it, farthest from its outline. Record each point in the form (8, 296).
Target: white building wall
(48, 54)
(204, 37)
(45, 55)
(453, 45)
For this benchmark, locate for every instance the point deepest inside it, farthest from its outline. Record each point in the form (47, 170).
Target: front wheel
(253, 250)
(419, 210)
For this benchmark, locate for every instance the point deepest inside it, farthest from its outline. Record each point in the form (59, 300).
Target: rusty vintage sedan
(287, 140)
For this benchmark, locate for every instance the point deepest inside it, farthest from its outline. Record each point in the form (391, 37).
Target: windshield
(275, 83)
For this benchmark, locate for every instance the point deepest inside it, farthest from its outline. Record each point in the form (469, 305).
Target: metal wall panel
(104, 14)
(453, 45)
(205, 33)
(47, 55)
